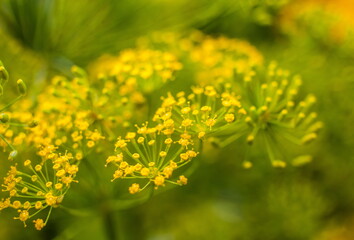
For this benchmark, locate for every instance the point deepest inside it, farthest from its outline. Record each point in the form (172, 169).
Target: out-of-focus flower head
(215, 58)
(274, 110)
(145, 70)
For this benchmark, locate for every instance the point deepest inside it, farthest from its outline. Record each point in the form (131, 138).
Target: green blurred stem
(109, 224)
(50, 211)
(11, 103)
(18, 124)
(9, 144)
(107, 213)
(105, 208)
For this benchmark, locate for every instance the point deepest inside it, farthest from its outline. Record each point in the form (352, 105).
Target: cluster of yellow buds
(142, 69)
(202, 113)
(218, 58)
(34, 186)
(215, 59)
(274, 111)
(151, 155)
(67, 116)
(114, 103)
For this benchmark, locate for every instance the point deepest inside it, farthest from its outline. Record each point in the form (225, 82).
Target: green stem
(9, 144)
(10, 103)
(109, 224)
(14, 124)
(50, 211)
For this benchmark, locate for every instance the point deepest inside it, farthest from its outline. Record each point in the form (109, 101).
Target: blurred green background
(222, 199)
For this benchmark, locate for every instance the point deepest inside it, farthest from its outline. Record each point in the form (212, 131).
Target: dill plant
(97, 119)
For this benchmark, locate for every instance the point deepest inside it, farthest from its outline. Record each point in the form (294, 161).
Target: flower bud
(250, 139)
(4, 118)
(301, 160)
(12, 155)
(4, 75)
(21, 86)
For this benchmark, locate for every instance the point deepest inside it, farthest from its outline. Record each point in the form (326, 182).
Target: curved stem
(10, 103)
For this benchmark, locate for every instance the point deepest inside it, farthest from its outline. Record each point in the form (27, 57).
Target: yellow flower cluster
(219, 58)
(203, 112)
(152, 154)
(274, 111)
(267, 108)
(143, 69)
(216, 59)
(66, 122)
(274, 103)
(66, 116)
(35, 186)
(114, 103)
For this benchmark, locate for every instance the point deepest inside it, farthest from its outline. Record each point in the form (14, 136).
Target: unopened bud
(21, 86)
(247, 164)
(4, 118)
(250, 139)
(12, 155)
(4, 75)
(278, 164)
(301, 160)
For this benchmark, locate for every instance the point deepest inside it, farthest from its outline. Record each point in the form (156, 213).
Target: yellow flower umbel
(218, 58)
(151, 155)
(35, 186)
(141, 69)
(215, 58)
(66, 115)
(114, 103)
(273, 111)
(201, 113)
(267, 108)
